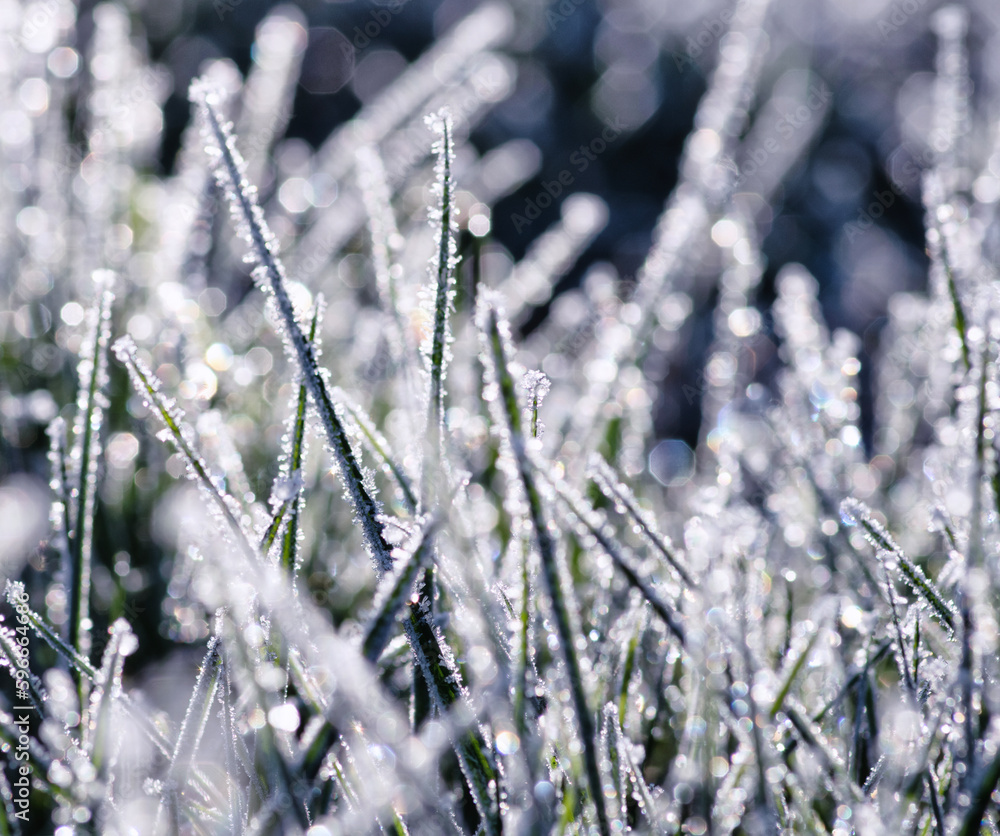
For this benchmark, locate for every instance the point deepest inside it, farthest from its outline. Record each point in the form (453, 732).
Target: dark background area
(561, 51)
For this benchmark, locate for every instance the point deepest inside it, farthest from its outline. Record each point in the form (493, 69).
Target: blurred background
(848, 209)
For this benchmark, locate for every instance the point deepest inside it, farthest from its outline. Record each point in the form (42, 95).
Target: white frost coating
(92, 373)
(439, 295)
(269, 275)
(536, 386)
(182, 435)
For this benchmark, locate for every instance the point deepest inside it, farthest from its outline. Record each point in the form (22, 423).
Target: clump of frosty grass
(465, 605)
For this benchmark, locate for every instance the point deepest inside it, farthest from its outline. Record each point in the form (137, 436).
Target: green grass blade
(436, 348)
(396, 589)
(378, 445)
(857, 512)
(181, 435)
(107, 690)
(496, 357)
(192, 729)
(591, 522)
(296, 455)
(443, 683)
(270, 274)
(606, 479)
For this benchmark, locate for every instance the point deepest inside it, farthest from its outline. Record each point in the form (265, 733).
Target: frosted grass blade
(15, 594)
(195, 720)
(269, 273)
(396, 589)
(106, 692)
(854, 511)
(592, 523)
(440, 296)
(181, 435)
(233, 785)
(62, 499)
(293, 454)
(12, 653)
(277, 519)
(436, 661)
(494, 333)
(975, 814)
(90, 405)
(649, 805)
(606, 479)
(378, 445)
(794, 669)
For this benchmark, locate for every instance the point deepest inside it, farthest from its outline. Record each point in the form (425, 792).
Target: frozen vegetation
(458, 601)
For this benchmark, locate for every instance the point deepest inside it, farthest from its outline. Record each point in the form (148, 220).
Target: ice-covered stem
(937, 213)
(17, 597)
(14, 656)
(59, 513)
(396, 589)
(90, 405)
(648, 806)
(608, 483)
(592, 523)
(444, 685)
(181, 435)
(289, 487)
(436, 347)
(193, 727)
(536, 386)
(494, 333)
(98, 728)
(972, 821)
(378, 445)
(854, 512)
(270, 274)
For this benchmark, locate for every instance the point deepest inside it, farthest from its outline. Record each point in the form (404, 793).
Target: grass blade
(592, 523)
(192, 729)
(496, 358)
(181, 434)
(855, 512)
(93, 372)
(396, 588)
(291, 465)
(436, 346)
(270, 274)
(604, 477)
